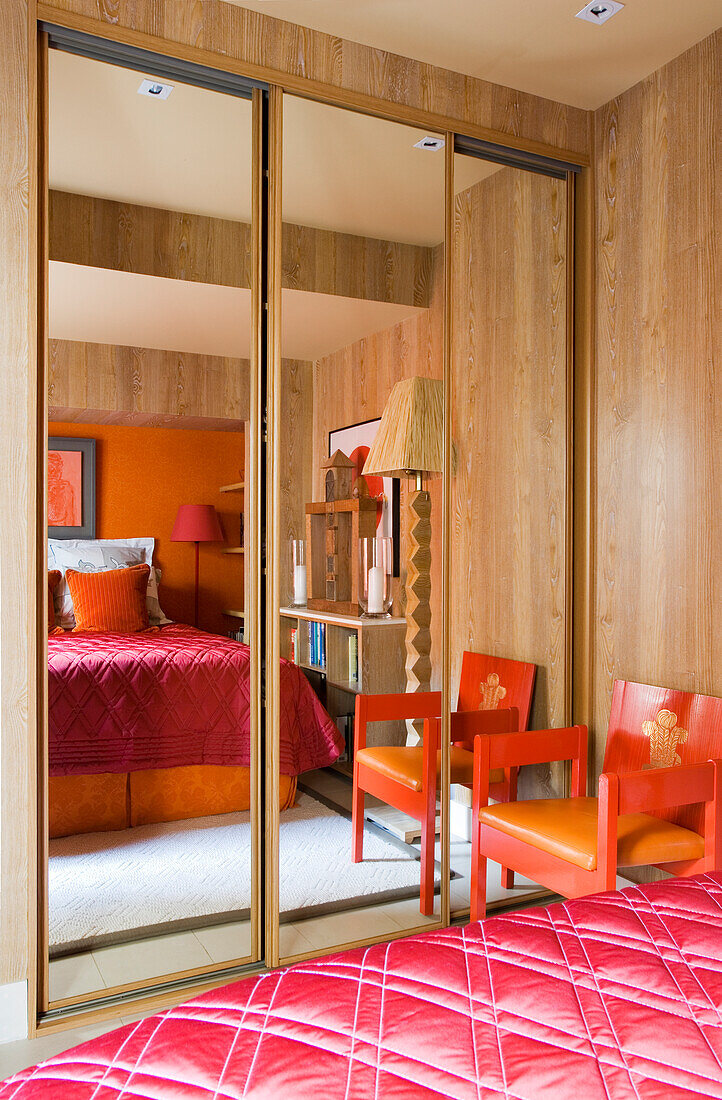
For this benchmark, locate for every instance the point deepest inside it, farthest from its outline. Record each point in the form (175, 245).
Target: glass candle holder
(298, 560)
(375, 560)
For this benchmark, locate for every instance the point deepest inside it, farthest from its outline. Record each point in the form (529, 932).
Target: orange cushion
(567, 828)
(54, 579)
(404, 765)
(114, 599)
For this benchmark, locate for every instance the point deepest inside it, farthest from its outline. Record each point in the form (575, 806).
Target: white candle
(299, 585)
(376, 590)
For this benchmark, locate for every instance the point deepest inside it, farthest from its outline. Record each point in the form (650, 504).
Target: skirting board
(13, 1012)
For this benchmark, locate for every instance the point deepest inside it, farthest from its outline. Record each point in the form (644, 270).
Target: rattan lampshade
(411, 432)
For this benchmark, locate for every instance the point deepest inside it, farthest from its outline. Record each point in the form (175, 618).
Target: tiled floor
(141, 960)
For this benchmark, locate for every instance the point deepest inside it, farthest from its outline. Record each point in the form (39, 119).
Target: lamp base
(418, 607)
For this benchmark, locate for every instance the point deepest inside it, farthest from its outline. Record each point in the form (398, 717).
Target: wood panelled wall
(509, 428)
(657, 402)
(122, 236)
(18, 623)
(128, 385)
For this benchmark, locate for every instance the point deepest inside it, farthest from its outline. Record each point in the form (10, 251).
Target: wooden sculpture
(333, 528)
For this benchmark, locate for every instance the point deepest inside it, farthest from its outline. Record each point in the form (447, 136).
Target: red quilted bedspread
(125, 702)
(609, 997)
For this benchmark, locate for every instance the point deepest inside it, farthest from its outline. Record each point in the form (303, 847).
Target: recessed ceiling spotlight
(600, 11)
(430, 143)
(155, 89)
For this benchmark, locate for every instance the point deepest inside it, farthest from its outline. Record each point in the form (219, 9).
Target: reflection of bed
(611, 996)
(156, 726)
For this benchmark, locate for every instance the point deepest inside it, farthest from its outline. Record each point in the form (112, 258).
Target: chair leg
(478, 876)
(428, 837)
(357, 822)
(507, 878)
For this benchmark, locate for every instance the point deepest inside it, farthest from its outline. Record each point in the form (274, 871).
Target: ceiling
(101, 306)
(342, 171)
(535, 47)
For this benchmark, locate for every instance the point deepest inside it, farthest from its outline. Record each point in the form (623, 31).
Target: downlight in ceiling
(600, 11)
(154, 89)
(430, 143)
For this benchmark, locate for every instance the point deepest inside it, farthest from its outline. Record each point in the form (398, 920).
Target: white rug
(106, 886)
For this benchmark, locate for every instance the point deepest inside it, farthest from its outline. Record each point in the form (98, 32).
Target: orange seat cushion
(567, 828)
(114, 600)
(404, 764)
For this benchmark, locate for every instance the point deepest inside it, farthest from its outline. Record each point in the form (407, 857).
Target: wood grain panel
(509, 427)
(320, 64)
(657, 553)
(126, 237)
(146, 382)
(18, 409)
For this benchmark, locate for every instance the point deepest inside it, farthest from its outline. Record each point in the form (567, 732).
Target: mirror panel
(152, 809)
(362, 311)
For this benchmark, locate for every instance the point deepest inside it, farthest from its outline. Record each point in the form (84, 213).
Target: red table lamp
(196, 523)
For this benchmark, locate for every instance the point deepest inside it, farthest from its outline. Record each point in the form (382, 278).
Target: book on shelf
(317, 644)
(353, 658)
(294, 645)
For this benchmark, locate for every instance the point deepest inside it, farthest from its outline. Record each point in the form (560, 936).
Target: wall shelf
(234, 550)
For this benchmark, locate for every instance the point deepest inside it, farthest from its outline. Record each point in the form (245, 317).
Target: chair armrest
(393, 707)
(660, 789)
(513, 750)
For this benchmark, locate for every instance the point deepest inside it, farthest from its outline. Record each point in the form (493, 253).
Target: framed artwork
(71, 488)
(355, 442)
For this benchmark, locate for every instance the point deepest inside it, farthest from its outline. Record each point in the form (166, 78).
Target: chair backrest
(657, 727)
(488, 683)
(465, 725)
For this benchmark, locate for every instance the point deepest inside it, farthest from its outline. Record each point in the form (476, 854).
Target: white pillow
(95, 556)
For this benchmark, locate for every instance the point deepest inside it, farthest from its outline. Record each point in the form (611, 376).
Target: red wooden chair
(486, 683)
(406, 777)
(659, 797)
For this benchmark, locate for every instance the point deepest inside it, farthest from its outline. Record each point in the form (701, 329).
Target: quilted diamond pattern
(125, 702)
(612, 996)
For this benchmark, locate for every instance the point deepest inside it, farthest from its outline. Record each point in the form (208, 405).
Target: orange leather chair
(406, 777)
(659, 797)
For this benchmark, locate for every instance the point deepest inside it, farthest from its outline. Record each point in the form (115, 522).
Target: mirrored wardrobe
(309, 392)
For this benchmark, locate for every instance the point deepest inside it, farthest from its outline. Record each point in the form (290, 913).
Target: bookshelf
(381, 661)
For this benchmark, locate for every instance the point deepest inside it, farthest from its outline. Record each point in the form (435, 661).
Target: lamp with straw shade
(196, 523)
(410, 443)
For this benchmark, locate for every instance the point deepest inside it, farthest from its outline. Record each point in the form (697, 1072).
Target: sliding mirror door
(152, 819)
(359, 547)
(510, 525)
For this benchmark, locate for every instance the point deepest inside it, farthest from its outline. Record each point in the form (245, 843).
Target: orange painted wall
(142, 475)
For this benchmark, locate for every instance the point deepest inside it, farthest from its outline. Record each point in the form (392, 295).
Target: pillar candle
(299, 585)
(376, 590)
